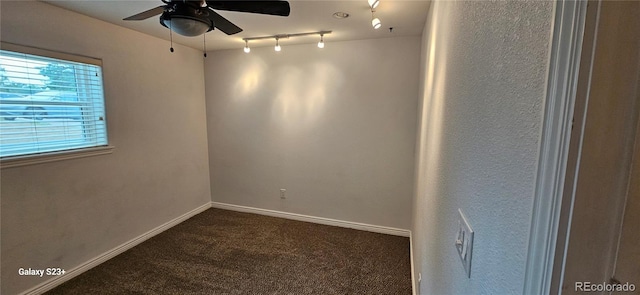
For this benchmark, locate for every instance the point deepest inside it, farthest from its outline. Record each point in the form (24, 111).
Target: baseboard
(314, 219)
(413, 273)
(70, 274)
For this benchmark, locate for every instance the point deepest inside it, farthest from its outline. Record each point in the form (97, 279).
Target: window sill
(19, 161)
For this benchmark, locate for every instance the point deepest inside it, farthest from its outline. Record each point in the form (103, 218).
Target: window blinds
(49, 104)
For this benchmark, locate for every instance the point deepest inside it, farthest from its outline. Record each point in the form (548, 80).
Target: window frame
(46, 157)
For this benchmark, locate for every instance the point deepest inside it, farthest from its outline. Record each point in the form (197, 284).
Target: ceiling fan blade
(280, 8)
(223, 24)
(146, 14)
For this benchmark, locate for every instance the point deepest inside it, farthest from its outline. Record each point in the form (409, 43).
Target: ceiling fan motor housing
(186, 20)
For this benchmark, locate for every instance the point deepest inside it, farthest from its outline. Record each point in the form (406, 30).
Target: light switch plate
(464, 242)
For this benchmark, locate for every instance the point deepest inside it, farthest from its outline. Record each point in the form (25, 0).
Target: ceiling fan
(193, 18)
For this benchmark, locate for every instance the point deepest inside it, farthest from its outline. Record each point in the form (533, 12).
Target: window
(49, 102)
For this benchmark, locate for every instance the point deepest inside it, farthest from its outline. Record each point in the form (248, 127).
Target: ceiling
(405, 17)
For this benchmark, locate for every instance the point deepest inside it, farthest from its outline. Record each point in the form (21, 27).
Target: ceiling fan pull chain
(171, 36)
(204, 39)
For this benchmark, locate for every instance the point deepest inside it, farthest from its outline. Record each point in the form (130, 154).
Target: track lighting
(277, 48)
(374, 3)
(376, 23)
(246, 46)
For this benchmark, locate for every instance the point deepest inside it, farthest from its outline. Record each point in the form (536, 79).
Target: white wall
(334, 127)
(482, 90)
(64, 213)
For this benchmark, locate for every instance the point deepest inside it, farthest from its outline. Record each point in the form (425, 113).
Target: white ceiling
(406, 17)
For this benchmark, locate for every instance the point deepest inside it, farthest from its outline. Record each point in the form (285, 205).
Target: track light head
(374, 3)
(277, 48)
(321, 43)
(246, 46)
(376, 23)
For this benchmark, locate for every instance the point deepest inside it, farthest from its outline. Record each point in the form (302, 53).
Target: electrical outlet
(464, 242)
(282, 193)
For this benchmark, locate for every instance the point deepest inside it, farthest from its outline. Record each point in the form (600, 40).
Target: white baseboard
(74, 272)
(314, 219)
(413, 274)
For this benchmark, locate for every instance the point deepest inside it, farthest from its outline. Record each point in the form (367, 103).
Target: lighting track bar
(286, 36)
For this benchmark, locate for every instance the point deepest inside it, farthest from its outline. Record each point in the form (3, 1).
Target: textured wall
(483, 79)
(64, 213)
(335, 127)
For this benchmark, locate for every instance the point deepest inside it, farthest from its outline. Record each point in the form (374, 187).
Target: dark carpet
(226, 252)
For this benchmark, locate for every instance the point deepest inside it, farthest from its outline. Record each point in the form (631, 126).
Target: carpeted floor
(226, 252)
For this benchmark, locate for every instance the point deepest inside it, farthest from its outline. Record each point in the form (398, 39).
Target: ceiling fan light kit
(186, 20)
(186, 27)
